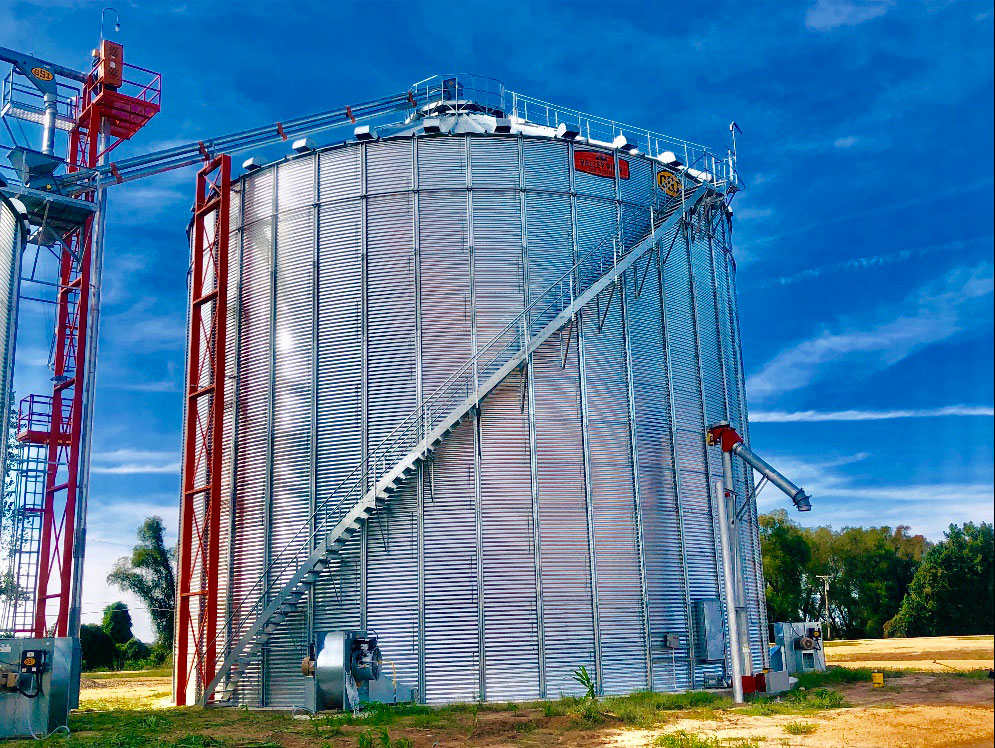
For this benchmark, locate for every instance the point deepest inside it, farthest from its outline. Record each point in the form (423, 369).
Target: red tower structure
(200, 514)
(112, 109)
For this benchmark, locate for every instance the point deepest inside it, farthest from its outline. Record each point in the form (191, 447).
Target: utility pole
(825, 597)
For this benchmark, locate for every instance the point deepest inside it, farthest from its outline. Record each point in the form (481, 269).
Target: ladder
(275, 596)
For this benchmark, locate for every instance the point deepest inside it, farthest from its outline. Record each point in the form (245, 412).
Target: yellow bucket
(877, 680)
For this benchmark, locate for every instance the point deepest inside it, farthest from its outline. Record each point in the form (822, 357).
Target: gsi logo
(41, 74)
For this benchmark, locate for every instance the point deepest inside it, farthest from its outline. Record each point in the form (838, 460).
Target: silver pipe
(735, 651)
(797, 495)
(48, 124)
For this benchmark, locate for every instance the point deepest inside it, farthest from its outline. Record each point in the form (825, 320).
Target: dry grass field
(919, 707)
(939, 653)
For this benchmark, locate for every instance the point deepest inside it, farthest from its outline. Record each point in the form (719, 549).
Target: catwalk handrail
(419, 422)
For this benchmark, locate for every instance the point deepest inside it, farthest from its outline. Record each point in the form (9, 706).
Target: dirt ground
(937, 653)
(911, 711)
(931, 709)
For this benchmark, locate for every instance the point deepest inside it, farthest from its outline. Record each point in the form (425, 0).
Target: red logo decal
(600, 164)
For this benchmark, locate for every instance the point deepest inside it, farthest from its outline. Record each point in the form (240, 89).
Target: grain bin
(567, 521)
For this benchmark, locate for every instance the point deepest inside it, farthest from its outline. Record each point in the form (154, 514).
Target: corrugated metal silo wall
(569, 523)
(11, 247)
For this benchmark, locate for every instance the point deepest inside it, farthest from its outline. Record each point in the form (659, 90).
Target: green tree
(148, 573)
(786, 555)
(869, 570)
(951, 593)
(134, 651)
(117, 622)
(96, 647)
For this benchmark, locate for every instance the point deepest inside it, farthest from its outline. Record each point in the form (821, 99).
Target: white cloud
(135, 462)
(827, 15)
(847, 142)
(879, 260)
(933, 313)
(813, 416)
(839, 500)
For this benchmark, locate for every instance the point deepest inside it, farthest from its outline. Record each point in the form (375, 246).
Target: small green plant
(800, 728)
(584, 678)
(684, 739)
(154, 722)
(380, 739)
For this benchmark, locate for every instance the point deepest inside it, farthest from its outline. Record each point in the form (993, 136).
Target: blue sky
(864, 237)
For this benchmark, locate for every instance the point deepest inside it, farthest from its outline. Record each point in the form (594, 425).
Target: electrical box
(798, 647)
(36, 685)
(709, 640)
(110, 70)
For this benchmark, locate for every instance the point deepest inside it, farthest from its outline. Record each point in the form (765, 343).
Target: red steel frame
(200, 514)
(61, 433)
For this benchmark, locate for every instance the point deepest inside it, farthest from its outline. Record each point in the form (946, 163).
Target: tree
(134, 651)
(869, 570)
(952, 592)
(96, 647)
(786, 555)
(149, 575)
(117, 622)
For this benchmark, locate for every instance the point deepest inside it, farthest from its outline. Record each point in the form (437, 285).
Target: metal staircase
(278, 592)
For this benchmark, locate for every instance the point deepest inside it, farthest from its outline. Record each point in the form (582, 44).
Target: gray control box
(36, 685)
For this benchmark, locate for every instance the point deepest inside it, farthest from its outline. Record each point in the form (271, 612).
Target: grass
(163, 672)
(800, 728)
(795, 702)
(842, 676)
(684, 739)
(641, 709)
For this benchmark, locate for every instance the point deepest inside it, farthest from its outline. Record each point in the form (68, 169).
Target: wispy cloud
(135, 462)
(827, 15)
(842, 500)
(815, 416)
(933, 313)
(879, 260)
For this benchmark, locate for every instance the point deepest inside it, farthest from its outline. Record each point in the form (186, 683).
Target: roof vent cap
(669, 158)
(502, 124)
(251, 164)
(623, 144)
(432, 125)
(567, 132)
(364, 132)
(304, 145)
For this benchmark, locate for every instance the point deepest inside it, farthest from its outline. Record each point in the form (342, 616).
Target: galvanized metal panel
(339, 174)
(495, 162)
(657, 479)
(388, 166)
(391, 537)
(452, 652)
(547, 165)
(509, 572)
(441, 162)
(339, 380)
(568, 618)
(689, 432)
(291, 488)
(253, 410)
(11, 247)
